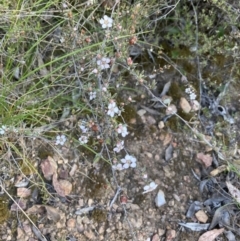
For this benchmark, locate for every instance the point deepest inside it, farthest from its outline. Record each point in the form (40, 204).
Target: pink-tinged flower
(95, 71)
(106, 22)
(122, 129)
(112, 109)
(104, 63)
(129, 161)
(129, 61)
(119, 146)
(150, 187)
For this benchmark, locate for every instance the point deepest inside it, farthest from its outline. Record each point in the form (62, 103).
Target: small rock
(170, 235)
(80, 202)
(167, 171)
(160, 199)
(160, 124)
(133, 121)
(20, 233)
(161, 232)
(90, 202)
(71, 223)
(195, 105)
(184, 105)
(157, 157)
(150, 120)
(101, 229)
(23, 192)
(119, 225)
(171, 203)
(141, 112)
(155, 237)
(148, 154)
(89, 234)
(176, 197)
(133, 207)
(85, 220)
(73, 169)
(201, 216)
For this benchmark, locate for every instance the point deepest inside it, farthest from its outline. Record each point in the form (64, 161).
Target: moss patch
(99, 215)
(4, 211)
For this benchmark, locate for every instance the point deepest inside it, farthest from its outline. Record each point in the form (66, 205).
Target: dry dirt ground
(107, 205)
(95, 210)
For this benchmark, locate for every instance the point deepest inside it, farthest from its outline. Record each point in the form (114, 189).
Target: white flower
(83, 127)
(106, 22)
(122, 129)
(103, 63)
(119, 146)
(129, 161)
(112, 109)
(104, 89)
(150, 187)
(60, 140)
(92, 95)
(95, 71)
(3, 129)
(118, 167)
(192, 96)
(83, 140)
(90, 2)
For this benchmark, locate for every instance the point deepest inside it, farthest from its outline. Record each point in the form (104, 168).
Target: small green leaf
(97, 157)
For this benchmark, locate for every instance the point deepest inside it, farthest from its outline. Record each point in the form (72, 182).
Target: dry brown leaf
(52, 213)
(210, 235)
(205, 159)
(218, 170)
(62, 187)
(233, 191)
(23, 192)
(21, 203)
(49, 167)
(167, 139)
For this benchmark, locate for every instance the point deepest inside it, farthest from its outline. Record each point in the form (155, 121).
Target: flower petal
(123, 160)
(146, 187)
(133, 165)
(126, 166)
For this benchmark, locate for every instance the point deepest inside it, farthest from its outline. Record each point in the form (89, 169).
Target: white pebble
(160, 199)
